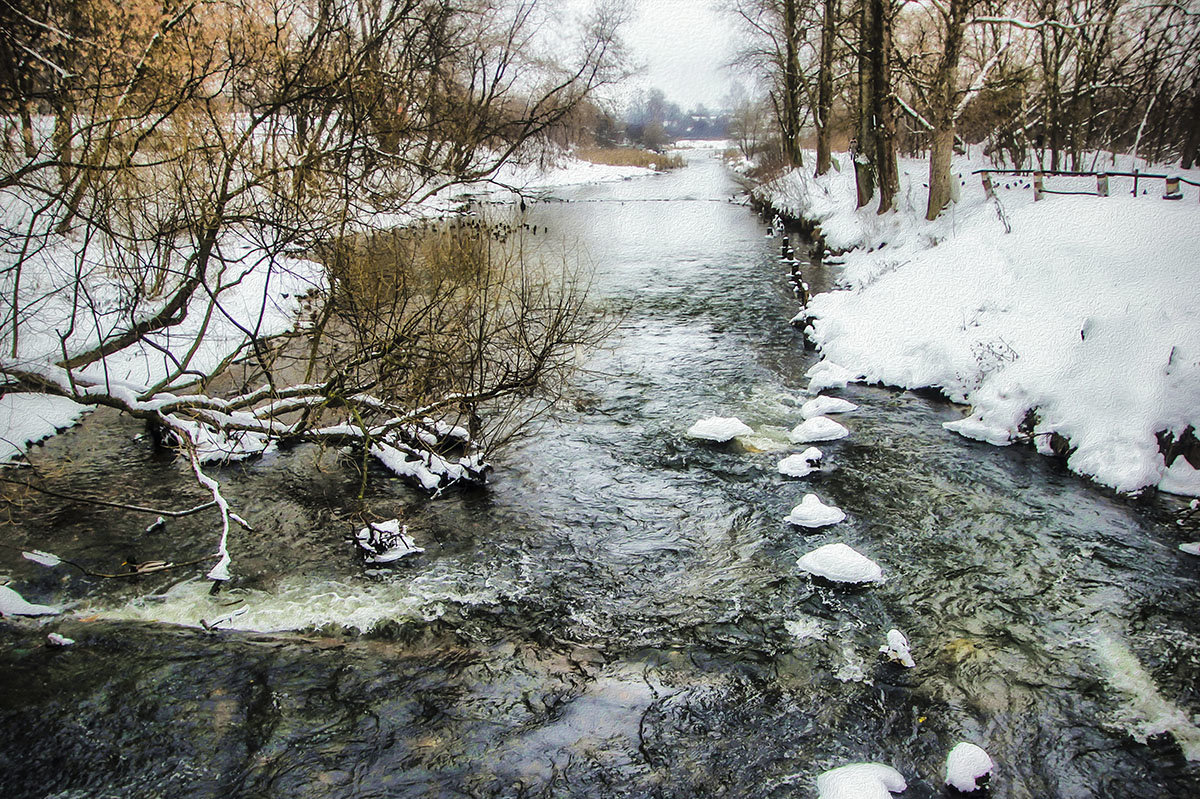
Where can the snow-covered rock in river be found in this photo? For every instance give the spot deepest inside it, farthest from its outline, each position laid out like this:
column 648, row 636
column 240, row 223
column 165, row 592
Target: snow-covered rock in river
column 800, row 464
column 827, row 374
column 860, row 781
column 812, row 512
column 822, row 405
column 841, row 564
column 965, row 765
column 719, row 428
column 897, row 649
column 818, row 428
column 386, row 542
column 13, row 604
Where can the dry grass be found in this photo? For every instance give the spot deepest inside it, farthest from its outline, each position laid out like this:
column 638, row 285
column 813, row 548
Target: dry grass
column 629, row 156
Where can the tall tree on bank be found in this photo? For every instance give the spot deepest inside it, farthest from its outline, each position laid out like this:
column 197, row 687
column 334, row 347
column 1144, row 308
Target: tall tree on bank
column 776, row 34
column 824, row 107
column 875, row 166
column 944, row 103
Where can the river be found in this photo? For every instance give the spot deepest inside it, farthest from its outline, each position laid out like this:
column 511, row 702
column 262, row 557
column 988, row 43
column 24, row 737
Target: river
column 619, row 614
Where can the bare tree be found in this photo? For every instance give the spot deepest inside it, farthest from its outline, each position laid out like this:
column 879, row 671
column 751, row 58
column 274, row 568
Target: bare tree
column 194, row 150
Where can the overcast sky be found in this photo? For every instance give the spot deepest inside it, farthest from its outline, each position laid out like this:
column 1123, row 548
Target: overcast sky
column 684, row 45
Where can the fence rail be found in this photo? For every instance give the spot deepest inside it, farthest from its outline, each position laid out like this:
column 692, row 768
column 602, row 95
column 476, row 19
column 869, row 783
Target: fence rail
column 1039, row 175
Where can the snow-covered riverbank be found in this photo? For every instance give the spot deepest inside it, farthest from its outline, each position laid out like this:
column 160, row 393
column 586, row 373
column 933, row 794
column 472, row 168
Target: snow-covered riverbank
column 1072, row 320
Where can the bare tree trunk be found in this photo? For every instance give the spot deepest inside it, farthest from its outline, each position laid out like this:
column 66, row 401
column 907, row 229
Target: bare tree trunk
column 791, row 85
column 825, row 88
column 943, row 109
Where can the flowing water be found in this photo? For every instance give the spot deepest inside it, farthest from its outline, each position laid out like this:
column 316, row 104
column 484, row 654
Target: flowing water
column 620, row 613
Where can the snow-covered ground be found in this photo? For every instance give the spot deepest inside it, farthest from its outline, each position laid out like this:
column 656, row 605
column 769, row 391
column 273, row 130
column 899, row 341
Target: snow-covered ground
column 1075, row 315
column 257, row 293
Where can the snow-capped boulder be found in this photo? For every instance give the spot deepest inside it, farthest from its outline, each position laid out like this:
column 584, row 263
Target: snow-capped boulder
column 800, row 464
column 841, row 564
column 386, row 542
column 823, row 405
column 812, row 512
column 897, row 650
column 719, row 428
column 13, row 604
column 966, row 765
column 860, row 781
column 818, row 428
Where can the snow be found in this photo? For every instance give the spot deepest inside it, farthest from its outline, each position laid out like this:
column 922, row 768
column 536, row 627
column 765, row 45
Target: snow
column 54, row 639
column 719, row 428
column 811, row 512
column 386, row 542
column 1181, row 478
column 965, row 765
column 824, row 405
column 826, row 374
column 800, row 464
column 13, row 604
column 1080, row 321
column 841, row 564
column 818, row 428
column 860, row 781
column 1192, row 548
column 29, row 418
column 897, row 649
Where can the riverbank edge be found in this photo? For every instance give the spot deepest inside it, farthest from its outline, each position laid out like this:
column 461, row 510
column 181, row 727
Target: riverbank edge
column 764, row 198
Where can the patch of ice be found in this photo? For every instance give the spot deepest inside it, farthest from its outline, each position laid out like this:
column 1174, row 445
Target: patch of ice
column 719, row 428
column 13, row 604
column 860, row 781
column 822, row 405
column 818, row 428
column 800, row 464
column 897, row 649
column 47, row 559
column 841, row 564
column 812, row 512
column 965, row 765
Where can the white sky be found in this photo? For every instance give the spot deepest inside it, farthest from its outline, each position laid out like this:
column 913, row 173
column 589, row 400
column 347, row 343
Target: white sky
column 685, row 45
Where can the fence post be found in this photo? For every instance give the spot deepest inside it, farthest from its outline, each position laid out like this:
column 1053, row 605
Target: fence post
column 1135, row 182
column 1038, row 188
column 988, row 191
column 1102, row 184
column 1173, row 192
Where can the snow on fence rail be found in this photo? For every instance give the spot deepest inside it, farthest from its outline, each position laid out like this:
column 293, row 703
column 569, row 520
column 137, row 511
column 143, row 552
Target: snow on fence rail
column 1172, row 182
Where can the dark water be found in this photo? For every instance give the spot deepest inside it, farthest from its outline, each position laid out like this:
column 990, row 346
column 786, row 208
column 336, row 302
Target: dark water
column 620, row 613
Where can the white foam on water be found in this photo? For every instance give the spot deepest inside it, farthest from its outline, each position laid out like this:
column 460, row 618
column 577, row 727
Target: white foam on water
column 1145, row 711
column 299, row 604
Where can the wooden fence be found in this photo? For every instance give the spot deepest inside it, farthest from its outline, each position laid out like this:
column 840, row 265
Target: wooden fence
column 1171, row 182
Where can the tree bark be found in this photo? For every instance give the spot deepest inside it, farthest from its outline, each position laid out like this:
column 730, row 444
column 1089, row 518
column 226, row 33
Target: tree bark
column 942, row 108
column 825, row 88
column 791, row 85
